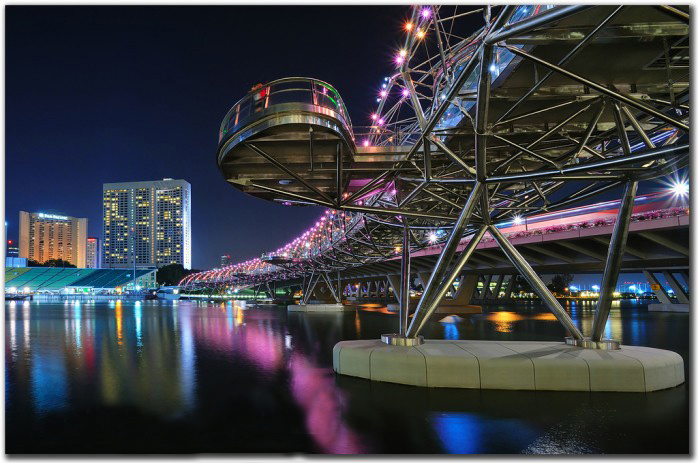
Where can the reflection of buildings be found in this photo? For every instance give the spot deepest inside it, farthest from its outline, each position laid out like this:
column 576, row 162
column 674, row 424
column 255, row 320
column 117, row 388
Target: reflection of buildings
column 153, row 217
column 143, row 356
column 128, row 358
column 49, row 236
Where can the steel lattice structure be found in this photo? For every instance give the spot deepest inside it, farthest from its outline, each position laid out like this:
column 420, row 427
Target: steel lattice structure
column 541, row 108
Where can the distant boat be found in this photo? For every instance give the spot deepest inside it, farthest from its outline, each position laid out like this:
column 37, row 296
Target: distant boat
column 169, row 293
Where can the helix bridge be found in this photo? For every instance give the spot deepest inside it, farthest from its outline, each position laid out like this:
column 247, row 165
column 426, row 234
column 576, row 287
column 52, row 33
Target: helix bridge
column 491, row 115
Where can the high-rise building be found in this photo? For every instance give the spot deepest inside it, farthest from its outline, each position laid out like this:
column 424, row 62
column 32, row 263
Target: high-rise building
column 49, row 236
column 94, row 253
column 148, row 220
column 225, row 260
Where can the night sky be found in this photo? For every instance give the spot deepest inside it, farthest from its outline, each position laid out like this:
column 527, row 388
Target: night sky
column 114, row 94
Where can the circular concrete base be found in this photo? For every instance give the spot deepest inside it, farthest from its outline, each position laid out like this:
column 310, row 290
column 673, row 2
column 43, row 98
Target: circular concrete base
column 320, row 308
column 517, row 365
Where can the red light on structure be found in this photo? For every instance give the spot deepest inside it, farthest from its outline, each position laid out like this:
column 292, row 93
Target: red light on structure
column 9, row 241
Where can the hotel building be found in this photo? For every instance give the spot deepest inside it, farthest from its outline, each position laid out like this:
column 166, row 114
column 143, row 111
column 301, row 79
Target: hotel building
column 152, row 218
column 49, row 236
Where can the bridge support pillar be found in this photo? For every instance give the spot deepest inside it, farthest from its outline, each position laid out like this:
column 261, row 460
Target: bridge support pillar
column 536, row 283
column 466, row 288
column 486, row 287
column 394, row 281
column 676, row 287
column 660, row 293
column 497, row 287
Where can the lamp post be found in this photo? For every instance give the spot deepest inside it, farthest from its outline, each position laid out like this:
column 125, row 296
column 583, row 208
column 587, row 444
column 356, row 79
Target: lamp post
column 518, row 219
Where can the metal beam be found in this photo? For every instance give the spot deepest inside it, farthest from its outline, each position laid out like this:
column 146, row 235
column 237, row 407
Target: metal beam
column 405, row 279
column 446, row 256
column 425, row 310
column 534, row 22
column 536, row 283
column 616, row 248
column 601, row 89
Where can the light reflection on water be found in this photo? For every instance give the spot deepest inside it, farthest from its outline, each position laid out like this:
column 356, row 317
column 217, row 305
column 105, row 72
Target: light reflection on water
column 183, row 364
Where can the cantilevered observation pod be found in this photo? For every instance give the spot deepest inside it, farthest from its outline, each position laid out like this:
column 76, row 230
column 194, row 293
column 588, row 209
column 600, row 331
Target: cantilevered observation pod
column 287, row 136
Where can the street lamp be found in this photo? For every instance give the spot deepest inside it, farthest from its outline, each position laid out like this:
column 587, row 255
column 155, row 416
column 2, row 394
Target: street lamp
column 432, row 238
column 518, row 220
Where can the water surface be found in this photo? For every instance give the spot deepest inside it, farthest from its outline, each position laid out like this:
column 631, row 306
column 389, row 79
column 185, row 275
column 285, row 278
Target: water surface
column 197, row 377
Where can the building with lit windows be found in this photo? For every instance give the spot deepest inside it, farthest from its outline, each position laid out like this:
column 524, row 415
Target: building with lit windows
column 94, row 253
column 225, row 260
column 12, row 249
column 147, row 221
column 50, row 236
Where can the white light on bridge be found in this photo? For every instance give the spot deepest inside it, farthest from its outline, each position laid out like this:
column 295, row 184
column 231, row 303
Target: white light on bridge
column 680, row 188
column 432, row 237
column 518, row 220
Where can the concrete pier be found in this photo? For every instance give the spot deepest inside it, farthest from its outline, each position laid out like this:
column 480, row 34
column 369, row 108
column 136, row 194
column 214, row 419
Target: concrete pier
column 668, row 308
column 516, row 365
column 320, row 308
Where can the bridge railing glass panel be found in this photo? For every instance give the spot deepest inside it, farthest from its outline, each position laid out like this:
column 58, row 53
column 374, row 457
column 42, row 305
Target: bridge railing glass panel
column 262, row 102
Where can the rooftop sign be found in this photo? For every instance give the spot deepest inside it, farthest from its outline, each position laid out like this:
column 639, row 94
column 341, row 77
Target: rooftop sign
column 52, row 216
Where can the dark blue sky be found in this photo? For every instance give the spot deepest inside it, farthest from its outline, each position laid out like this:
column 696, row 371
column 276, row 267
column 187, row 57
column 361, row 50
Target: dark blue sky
column 111, row 94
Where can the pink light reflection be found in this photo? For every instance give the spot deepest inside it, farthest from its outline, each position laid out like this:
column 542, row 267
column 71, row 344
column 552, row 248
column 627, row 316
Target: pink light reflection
column 314, row 389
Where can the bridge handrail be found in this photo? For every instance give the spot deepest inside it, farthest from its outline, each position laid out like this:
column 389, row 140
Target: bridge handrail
column 656, row 214
column 287, row 90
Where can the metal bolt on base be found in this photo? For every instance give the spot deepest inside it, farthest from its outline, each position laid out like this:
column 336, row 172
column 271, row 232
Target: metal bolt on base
column 394, row 339
column 587, row 343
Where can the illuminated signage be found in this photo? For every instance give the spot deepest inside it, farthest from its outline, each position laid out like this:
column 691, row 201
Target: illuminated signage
column 52, row 216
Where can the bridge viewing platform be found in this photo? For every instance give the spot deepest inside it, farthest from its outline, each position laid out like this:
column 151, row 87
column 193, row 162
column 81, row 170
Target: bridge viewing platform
column 499, row 153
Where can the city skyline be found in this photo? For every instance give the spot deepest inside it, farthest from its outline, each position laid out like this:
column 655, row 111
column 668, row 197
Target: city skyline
column 113, row 105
